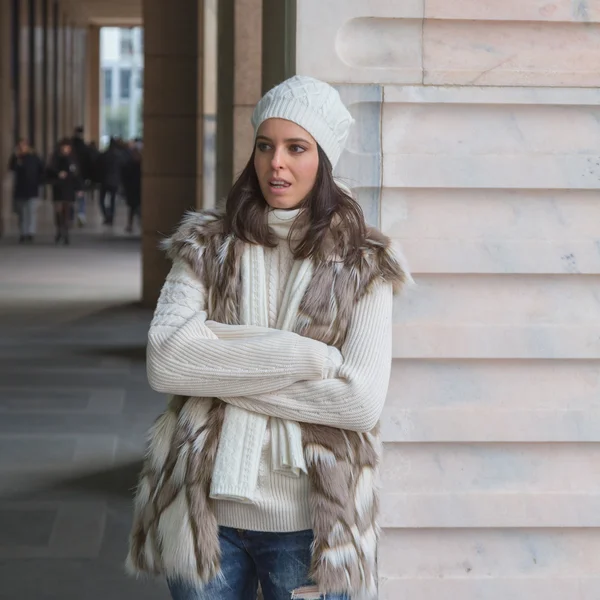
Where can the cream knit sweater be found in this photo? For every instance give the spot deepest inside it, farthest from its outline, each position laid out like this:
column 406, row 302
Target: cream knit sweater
column 276, row 373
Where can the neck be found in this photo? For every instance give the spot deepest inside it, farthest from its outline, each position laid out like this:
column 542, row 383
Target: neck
column 281, row 221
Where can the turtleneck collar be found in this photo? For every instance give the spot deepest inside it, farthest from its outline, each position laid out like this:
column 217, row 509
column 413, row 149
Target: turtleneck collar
column 281, row 221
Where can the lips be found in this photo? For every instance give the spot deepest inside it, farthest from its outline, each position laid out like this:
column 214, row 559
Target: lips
column 279, row 184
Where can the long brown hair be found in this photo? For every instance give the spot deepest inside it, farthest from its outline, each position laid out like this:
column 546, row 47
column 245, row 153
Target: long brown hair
column 336, row 224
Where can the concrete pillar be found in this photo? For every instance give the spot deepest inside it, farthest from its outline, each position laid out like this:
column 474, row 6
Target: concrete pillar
column 92, row 97
column 210, row 101
column 173, row 128
column 39, row 76
column 45, row 79
column 247, row 77
column 68, row 73
column 279, row 41
column 23, row 34
column 53, row 55
column 6, row 125
column 225, row 97
column 60, row 75
column 31, row 74
column 239, row 84
column 80, row 89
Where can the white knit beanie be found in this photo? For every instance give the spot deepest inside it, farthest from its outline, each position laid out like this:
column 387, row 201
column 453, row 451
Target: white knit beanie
column 312, row 104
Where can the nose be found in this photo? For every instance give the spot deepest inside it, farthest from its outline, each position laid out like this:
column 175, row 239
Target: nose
column 277, row 162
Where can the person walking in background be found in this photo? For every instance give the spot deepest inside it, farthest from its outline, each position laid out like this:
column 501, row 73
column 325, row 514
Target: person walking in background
column 273, row 336
column 95, row 170
column 28, row 171
column 83, row 157
column 67, row 187
column 132, row 185
column 109, row 166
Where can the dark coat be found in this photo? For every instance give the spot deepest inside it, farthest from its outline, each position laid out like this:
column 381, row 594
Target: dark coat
column 132, row 182
column 110, row 164
column 65, row 190
column 28, row 175
column 83, row 156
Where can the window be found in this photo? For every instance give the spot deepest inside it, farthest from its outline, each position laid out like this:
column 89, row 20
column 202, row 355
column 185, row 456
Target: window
column 140, row 79
column 126, row 42
column 125, row 84
column 107, row 85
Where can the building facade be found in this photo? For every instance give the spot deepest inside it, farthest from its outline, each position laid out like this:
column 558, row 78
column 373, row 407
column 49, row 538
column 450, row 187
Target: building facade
column 121, row 82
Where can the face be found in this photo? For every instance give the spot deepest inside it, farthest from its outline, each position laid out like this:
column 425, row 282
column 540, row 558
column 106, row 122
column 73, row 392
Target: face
column 65, row 149
column 286, row 161
column 23, row 146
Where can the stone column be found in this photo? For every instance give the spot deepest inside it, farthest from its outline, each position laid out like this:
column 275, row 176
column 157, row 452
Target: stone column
column 92, row 98
column 173, row 131
column 53, row 81
column 45, row 80
column 225, row 96
column 79, row 89
column 239, row 83
column 23, row 68
column 279, row 41
column 60, row 75
column 39, row 76
column 247, row 77
column 6, row 126
column 210, row 102
column 68, row 66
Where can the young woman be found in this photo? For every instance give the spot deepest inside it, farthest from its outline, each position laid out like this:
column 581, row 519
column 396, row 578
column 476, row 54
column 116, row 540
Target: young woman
column 67, row 186
column 273, row 336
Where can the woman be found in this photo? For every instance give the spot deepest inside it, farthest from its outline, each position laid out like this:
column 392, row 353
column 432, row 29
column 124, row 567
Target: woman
column 66, row 188
column 273, row 334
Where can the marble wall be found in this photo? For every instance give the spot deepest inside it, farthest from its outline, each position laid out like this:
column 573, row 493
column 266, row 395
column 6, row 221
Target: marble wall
column 478, row 150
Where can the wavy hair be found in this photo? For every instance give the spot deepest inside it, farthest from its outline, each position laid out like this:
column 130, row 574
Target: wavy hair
column 334, row 221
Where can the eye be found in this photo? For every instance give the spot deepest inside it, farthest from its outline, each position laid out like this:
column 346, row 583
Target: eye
column 263, row 146
column 296, row 149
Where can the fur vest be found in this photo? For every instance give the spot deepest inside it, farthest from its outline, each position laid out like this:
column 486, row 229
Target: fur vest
column 175, row 531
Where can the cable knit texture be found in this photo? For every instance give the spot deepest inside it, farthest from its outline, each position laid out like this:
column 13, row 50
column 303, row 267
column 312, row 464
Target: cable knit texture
column 314, row 105
column 280, row 374
column 243, row 473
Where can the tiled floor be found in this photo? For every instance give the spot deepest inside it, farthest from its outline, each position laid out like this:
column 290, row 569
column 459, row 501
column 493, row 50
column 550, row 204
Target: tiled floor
column 74, row 408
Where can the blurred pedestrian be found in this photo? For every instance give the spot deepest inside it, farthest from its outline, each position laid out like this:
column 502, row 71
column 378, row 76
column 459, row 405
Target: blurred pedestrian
column 28, row 172
column 132, row 185
column 83, row 156
column 67, row 187
column 110, row 164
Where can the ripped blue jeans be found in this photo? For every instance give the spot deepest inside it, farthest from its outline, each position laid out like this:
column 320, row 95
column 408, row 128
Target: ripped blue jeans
column 278, row 561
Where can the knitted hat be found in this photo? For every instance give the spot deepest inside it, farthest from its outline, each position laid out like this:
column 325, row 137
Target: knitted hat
column 312, row 104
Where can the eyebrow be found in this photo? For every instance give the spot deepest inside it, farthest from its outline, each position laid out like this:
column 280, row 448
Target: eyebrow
column 287, row 141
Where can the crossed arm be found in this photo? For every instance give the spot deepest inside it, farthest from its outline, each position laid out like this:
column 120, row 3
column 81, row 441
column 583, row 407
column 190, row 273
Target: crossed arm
column 276, row 373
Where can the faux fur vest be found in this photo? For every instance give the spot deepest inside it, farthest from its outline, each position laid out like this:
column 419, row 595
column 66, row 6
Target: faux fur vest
column 175, row 531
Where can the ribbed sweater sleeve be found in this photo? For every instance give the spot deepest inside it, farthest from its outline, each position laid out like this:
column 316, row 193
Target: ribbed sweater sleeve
column 355, row 398
column 185, row 357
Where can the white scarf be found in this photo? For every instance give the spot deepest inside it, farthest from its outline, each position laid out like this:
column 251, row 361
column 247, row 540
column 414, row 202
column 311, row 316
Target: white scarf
column 235, row 474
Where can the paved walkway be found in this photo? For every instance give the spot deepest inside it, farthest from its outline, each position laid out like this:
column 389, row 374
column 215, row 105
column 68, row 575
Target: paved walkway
column 74, row 408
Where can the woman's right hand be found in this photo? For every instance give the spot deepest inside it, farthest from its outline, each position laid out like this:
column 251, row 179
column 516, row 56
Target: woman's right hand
column 333, row 362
